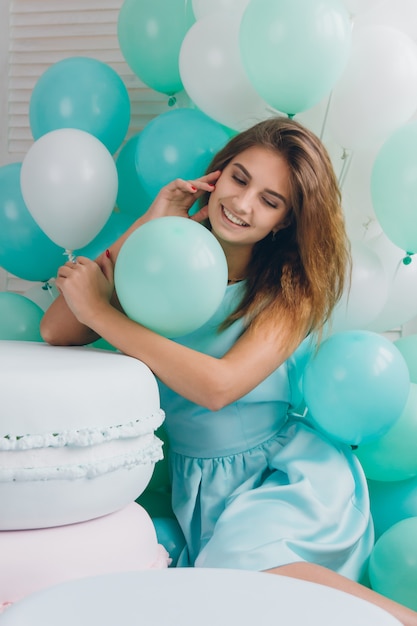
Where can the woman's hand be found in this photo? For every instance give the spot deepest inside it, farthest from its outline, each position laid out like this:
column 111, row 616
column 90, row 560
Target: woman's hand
column 86, row 286
column 177, row 198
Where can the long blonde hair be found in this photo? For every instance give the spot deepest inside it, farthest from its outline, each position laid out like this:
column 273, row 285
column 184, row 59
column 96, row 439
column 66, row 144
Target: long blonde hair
column 298, row 274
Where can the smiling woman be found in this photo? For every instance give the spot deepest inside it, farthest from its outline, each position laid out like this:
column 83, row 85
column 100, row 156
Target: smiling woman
column 252, row 194
column 250, row 479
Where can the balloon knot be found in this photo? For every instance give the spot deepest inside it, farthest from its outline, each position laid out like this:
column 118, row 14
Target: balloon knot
column 71, row 256
column 407, row 259
column 172, row 101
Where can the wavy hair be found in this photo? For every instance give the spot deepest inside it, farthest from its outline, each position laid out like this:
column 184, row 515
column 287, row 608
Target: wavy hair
column 299, row 273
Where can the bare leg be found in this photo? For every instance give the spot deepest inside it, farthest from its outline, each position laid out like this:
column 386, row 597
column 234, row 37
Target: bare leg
column 323, row 576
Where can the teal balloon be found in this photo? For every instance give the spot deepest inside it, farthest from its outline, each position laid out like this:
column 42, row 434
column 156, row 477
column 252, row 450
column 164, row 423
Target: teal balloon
column 394, row 455
column 20, row 318
column 394, row 187
column 297, row 364
column 132, row 199
column 156, row 503
column 150, row 35
column 408, row 348
column 169, row 535
column 25, row 250
column 160, row 479
column 171, row 275
column 393, row 563
column 82, row 93
column 116, row 225
column 177, row 144
column 294, row 51
column 392, row 502
column 356, row 386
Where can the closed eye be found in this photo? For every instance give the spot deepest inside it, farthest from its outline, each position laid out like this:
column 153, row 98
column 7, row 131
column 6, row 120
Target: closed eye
column 270, row 203
column 239, row 180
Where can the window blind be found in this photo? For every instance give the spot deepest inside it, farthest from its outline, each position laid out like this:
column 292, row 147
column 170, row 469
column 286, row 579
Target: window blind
column 43, row 32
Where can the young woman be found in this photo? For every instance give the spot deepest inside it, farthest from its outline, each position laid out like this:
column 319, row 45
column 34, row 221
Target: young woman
column 253, row 486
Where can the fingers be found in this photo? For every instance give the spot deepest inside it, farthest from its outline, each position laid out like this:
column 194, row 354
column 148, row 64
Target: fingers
column 83, row 260
column 188, row 186
column 211, row 177
column 70, row 266
column 205, row 183
column 201, row 215
column 107, row 268
column 65, row 270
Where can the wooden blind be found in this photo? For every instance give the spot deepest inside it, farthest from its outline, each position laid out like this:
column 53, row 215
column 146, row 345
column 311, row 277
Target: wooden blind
column 42, row 32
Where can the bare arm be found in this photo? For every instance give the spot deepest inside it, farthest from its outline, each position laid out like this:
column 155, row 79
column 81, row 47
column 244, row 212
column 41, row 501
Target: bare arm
column 208, row 381
column 59, row 326
column 323, row 576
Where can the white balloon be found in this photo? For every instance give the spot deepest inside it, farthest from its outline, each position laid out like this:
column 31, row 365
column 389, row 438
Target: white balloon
column 401, row 303
column 69, row 183
column 213, row 75
column 361, row 221
column 401, row 14
column 202, row 8
column 377, row 92
column 315, row 118
column 357, row 183
column 359, row 227
column 360, row 6
column 368, row 292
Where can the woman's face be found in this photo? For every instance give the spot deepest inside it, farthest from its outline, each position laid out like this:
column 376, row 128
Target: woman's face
column 251, row 197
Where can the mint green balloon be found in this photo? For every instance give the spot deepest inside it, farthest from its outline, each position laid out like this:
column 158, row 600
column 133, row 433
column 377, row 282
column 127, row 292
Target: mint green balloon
column 150, row 34
column 408, row 348
column 392, row 502
column 394, row 455
column 394, row 187
column 171, row 275
column 294, row 51
column 20, row 318
column 356, row 386
column 393, row 563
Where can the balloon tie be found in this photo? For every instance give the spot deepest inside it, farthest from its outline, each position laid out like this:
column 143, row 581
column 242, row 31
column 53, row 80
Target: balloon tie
column 47, row 287
column 71, row 256
column 404, row 261
column 347, row 159
column 172, row 101
column 407, row 259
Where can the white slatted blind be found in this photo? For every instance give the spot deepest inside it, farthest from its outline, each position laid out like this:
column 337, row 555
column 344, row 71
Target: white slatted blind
column 42, row 32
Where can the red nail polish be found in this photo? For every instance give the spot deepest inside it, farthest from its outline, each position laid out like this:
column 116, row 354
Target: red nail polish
column 108, row 254
column 193, row 188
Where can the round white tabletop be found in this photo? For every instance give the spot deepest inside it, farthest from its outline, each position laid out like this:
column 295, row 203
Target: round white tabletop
column 192, row 597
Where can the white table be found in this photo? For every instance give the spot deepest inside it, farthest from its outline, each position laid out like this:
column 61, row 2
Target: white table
column 192, row 597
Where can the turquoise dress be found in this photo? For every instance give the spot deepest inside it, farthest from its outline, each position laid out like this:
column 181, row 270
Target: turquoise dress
column 255, row 486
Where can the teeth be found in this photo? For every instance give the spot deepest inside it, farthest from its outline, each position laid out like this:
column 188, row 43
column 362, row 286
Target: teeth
column 232, row 218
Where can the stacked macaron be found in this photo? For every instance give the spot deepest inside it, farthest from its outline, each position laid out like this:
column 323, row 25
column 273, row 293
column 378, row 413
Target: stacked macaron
column 77, row 443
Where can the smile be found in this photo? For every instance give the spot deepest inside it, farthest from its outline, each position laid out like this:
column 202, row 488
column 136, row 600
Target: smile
column 232, row 218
